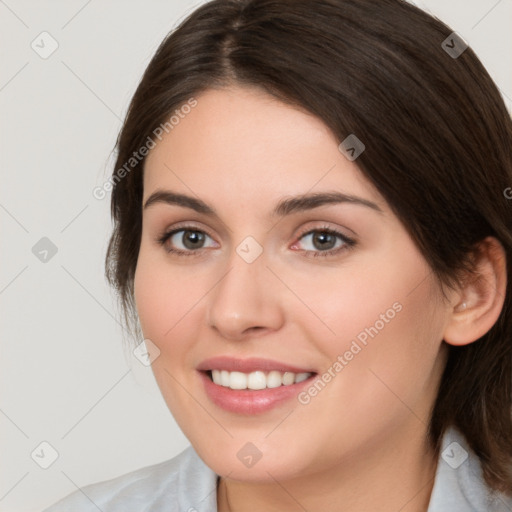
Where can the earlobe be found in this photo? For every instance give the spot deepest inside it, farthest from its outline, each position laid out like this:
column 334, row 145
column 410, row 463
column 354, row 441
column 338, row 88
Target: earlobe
column 480, row 300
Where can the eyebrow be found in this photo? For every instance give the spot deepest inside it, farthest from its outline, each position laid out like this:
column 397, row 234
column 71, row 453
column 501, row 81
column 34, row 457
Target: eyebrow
column 284, row 207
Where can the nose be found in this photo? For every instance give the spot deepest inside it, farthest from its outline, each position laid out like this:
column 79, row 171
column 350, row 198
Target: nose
column 246, row 300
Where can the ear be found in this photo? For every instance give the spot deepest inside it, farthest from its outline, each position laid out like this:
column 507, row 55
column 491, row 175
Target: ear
column 480, row 300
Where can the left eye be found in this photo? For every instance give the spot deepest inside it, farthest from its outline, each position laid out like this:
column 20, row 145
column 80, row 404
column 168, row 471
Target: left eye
column 325, row 240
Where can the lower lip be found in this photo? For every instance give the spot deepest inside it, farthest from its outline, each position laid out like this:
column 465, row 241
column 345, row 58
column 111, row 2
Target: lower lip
column 247, row 401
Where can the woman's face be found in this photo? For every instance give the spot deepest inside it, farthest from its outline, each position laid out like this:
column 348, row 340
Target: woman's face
column 360, row 311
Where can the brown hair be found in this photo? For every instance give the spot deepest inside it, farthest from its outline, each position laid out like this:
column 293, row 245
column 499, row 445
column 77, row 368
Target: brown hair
column 438, row 143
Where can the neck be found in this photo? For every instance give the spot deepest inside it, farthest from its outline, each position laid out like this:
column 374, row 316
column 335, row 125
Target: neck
column 396, row 476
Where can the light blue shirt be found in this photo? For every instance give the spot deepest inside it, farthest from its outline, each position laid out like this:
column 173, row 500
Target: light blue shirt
column 186, row 484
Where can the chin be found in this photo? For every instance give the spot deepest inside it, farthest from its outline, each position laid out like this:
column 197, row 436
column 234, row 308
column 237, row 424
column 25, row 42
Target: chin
column 243, row 463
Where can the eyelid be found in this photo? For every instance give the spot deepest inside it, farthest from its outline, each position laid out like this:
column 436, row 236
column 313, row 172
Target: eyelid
column 186, row 226
column 325, row 226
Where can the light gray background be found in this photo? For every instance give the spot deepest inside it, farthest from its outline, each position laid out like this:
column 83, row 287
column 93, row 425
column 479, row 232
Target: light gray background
column 65, row 377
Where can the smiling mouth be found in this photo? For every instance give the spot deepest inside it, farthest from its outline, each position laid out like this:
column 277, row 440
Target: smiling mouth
column 256, row 380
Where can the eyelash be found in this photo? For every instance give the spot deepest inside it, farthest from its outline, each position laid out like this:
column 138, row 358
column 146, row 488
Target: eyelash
column 349, row 243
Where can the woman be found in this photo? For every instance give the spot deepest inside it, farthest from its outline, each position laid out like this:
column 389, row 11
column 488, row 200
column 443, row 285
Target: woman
column 312, row 227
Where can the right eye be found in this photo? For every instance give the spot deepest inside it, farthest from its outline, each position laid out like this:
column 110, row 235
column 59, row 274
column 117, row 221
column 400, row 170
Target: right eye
column 188, row 239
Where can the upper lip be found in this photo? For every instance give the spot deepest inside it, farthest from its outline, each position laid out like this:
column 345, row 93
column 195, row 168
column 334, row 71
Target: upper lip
column 252, row 364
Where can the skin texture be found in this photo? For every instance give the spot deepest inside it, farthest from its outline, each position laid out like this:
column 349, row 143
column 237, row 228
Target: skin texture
column 360, row 444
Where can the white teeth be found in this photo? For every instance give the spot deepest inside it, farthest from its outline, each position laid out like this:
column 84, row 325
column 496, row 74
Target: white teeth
column 237, row 380
column 224, row 378
column 274, row 379
column 301, row 376
column 288, row 378
column 257, row 380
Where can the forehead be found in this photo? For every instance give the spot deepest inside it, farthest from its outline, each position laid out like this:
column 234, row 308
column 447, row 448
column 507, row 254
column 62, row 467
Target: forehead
column 250, row 145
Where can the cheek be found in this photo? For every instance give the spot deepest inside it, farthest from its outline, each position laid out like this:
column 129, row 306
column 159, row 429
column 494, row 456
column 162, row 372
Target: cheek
column 167, row 305
column 382, row 359
column 152, row 310
column 164, row 297
column 358, row 300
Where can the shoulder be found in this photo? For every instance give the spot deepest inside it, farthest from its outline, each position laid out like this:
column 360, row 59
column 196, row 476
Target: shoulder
column 459, row 484
column 183, row 483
